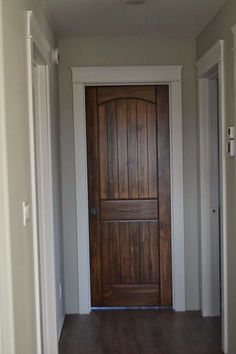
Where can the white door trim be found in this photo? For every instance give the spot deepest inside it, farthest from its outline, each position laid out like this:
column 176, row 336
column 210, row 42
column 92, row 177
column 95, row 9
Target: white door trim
column 7, row 335
column 40, row 130
column 171, row 75
column 212, row 60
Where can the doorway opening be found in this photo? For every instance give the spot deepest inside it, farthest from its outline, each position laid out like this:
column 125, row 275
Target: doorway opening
column 39, row 99
column 44, row 207
column 213, row 213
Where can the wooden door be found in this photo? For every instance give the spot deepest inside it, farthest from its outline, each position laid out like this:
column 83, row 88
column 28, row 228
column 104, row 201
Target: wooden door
column 129, row 195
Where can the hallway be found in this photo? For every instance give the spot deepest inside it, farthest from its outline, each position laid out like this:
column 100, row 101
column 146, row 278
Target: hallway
column 117, row 177
column 142, row 332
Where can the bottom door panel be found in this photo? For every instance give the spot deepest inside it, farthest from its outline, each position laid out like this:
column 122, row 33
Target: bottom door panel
column 130, row 263
column 131, row 295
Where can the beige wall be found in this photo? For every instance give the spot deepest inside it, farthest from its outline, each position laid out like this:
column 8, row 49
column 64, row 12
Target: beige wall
column 220, row 28
column 6, row 315
column 129, row 51
column 18, row 162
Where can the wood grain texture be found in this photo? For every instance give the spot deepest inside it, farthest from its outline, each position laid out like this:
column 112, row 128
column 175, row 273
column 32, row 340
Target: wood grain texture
column 94, row 195
column 140, row 332
column 131, row 295
column 103, row 154
column 109, row 93
column 130, row 253
column 115, row 253
column 125, row 256
column 134, row 252
column 129, row 209
column 154, row 252
column 128, row 163
column 143, row 187
column 152, row 151
column 132, row 138
column 112, row 150
column 128, row 149
column 122, row 149
column 164, row 194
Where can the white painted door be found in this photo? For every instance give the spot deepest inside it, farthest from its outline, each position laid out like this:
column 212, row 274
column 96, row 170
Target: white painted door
column 44, row 187
column 215, row 195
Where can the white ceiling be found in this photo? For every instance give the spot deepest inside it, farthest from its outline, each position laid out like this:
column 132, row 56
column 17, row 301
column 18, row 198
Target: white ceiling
column 178, row 18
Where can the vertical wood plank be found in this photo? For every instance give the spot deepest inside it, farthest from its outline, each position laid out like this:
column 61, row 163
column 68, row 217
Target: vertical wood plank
column 144, row 253
column 132, row 148
column 154, row 252
column 125, row 253
column 106, row 253
column 112, row 150
column 142, row 149
column 164, row 194
column 94, row 197
column 122, row 149
column 115, row 253
column 103, row 158
column 134, row 253
column 152, row 150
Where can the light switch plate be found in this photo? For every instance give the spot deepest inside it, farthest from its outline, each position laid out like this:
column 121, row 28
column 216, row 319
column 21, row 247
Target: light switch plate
column 231, row 134
column 230, row 147
column 26, row 213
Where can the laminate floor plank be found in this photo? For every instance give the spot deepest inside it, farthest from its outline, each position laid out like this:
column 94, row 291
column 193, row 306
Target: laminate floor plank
column 140, row 332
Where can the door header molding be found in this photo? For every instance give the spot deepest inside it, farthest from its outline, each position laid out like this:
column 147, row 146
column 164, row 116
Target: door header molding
column 87, row 76
column 92, row 75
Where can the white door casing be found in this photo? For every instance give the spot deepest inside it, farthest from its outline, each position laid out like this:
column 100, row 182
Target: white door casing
column 7, row 332
column 39, row 56
column 92, row 76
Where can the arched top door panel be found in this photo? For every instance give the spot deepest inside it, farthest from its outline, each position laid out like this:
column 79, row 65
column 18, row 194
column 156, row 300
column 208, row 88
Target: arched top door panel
column 109, row 93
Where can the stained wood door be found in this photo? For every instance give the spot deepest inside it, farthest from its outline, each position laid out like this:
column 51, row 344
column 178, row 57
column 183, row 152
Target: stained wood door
column 129, row 195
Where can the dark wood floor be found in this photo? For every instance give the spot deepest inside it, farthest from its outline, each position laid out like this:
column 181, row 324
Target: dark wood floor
column 140, row 332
